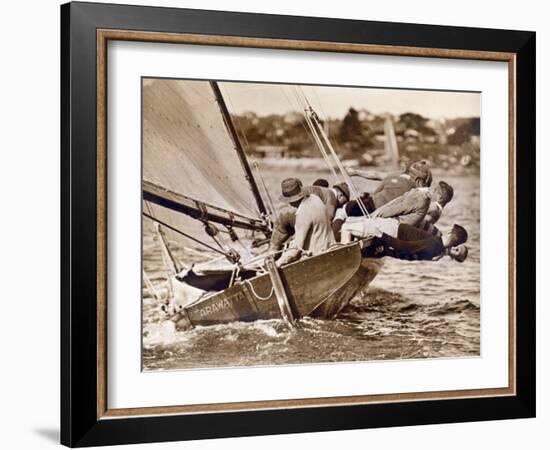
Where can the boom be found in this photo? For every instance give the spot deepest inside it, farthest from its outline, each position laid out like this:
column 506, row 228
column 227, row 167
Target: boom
column 197, row 209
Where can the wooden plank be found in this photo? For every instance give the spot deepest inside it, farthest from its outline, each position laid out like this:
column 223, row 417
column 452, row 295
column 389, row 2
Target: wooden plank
column 280, row 292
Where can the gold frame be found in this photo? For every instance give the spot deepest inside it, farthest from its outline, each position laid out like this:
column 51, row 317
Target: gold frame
column 103, row 36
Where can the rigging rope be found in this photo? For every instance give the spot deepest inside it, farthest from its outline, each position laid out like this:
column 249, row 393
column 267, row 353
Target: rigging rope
column 212, row 231
column 208, row 262
column 259, row 297
column 320, row 145
column 295, row 103
column 214, row 249
column 315, row 125
column 262, row 182
column 167, row 264
column 313, row 133
column 151, row 287
column 345, row 175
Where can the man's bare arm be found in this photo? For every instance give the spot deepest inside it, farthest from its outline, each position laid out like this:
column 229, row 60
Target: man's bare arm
column 433, row 214
column 278, row 239
column 294, row 253
column 367, row 174
column 290, row 255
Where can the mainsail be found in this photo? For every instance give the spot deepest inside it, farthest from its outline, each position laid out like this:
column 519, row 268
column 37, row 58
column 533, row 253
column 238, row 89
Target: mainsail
column 195, row 175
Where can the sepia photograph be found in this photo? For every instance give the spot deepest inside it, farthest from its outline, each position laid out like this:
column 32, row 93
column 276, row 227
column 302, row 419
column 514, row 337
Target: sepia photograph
column 302, row 224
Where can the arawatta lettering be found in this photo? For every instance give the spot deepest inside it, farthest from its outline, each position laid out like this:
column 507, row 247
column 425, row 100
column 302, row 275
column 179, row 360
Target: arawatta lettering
column 220, row 305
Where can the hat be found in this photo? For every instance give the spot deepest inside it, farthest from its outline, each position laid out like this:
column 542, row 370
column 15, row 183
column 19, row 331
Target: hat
column 462, row 253
column 321, row 182
column 419, row 169
column 291, row 189
column 344, row 188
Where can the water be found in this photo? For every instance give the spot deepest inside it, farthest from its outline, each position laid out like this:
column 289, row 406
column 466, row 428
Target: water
column 411, row 310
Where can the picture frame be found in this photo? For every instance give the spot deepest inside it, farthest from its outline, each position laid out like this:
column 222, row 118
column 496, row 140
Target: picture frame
column 86, row 28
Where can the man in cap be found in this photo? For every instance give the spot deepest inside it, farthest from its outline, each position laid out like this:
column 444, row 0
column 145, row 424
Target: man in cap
column 395, row 189
column 321, row 182
column 417, row 174
column 313, row 232
column 333, row 198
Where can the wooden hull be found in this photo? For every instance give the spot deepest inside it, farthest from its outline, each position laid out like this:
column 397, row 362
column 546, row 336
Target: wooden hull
column 338, row 300
column 319, row 286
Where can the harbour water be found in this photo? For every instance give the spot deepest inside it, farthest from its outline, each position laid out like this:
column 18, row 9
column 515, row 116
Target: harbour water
column 411, row 310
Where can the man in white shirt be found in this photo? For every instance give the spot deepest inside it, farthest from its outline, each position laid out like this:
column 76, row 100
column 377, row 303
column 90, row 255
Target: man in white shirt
column 404, row 241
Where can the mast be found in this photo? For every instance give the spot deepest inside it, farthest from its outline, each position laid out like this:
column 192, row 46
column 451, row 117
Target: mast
column 238, row 147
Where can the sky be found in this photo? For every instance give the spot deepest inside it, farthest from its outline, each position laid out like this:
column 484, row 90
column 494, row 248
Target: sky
column 334, row 102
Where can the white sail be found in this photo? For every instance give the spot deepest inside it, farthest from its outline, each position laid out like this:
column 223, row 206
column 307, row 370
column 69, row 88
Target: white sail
column 390, row 144
column 188, row 150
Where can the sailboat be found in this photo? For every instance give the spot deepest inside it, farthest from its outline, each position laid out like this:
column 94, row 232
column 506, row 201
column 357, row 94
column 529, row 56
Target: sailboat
column 200, row 191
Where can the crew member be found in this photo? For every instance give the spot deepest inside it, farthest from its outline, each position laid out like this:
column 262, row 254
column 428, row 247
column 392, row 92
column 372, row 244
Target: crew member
column 313, row 232
column 284, row 223
column 406, row 241
column 333, row 198
column 442, row 194
column 392, row 187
